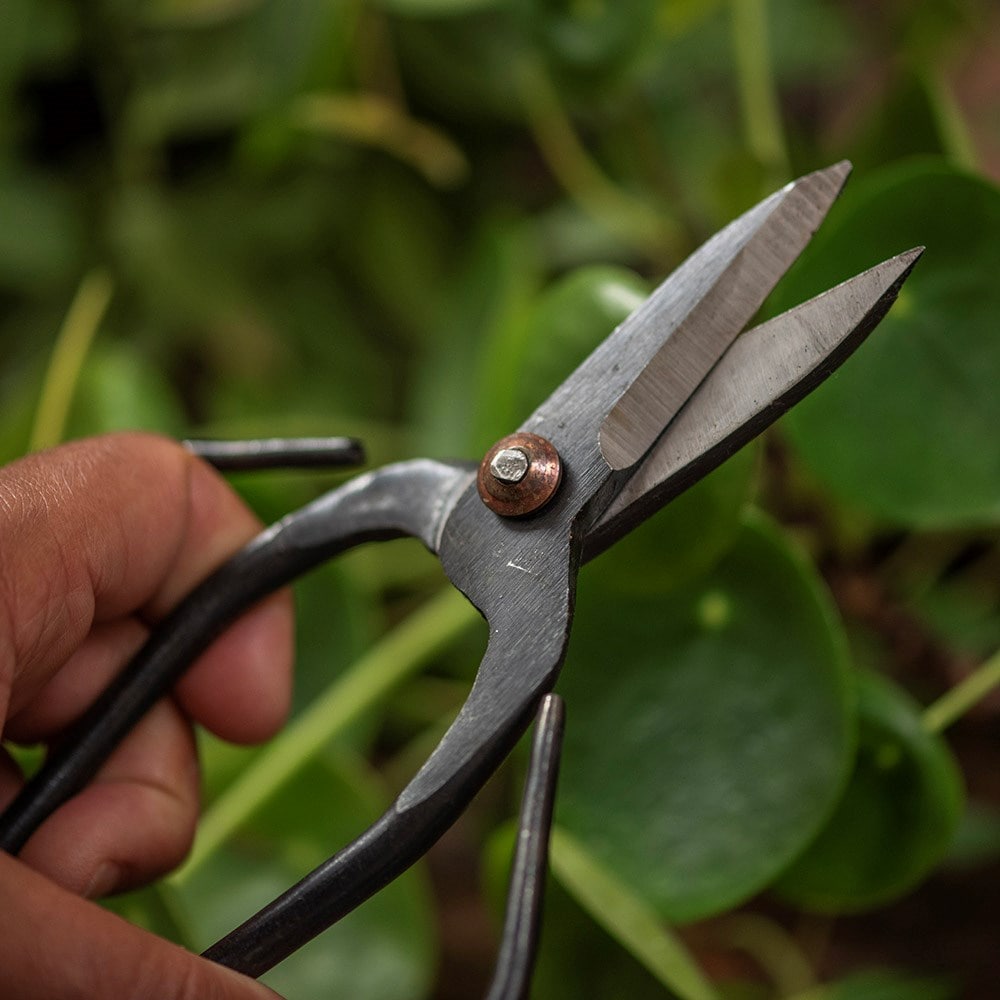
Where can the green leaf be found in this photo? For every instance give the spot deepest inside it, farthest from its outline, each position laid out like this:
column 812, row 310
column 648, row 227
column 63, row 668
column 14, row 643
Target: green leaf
column 685, row 539
column 457, row 409
column 382, row 951
column 574, row 315
column 977, row 837
column 435, row 8
column 883, row 985
column 401, row 248
column 217, row 72
column 592, row 42
column 709, row 733
column 896, row 818
column 628, row 918
column 41, row 235
column 907, row 428
column 20, row 396
column 963, row 612
column 120, row 388
column 530, row 356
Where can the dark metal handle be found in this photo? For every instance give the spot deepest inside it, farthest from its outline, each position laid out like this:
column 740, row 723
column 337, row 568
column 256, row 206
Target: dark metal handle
column 279, row 453
column 488, row 726
column 526, row 890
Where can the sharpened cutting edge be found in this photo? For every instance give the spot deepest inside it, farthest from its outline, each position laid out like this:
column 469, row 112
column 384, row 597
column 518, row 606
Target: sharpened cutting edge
column 654, row 398
column 766, row 372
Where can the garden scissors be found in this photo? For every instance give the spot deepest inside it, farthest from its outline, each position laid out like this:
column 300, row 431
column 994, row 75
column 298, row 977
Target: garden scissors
column 662, row 401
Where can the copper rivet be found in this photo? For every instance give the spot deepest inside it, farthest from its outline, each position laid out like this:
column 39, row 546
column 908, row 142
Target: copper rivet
column 519, row 474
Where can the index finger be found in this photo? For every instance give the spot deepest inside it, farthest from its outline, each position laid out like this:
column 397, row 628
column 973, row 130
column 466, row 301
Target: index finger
column 125, row 525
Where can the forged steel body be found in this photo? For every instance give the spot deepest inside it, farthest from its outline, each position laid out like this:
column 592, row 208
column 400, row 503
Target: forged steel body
column 279, row 453
column 519, row 572
column 526, row 889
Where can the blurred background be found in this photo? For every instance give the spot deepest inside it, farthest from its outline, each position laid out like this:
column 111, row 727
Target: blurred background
column 408, row 220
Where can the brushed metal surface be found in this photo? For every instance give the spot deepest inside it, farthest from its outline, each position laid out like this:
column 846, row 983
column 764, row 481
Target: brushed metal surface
column 696, row 344
column 766, row 372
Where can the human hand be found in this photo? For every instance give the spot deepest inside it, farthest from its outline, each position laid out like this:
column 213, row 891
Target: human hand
column 100, row 539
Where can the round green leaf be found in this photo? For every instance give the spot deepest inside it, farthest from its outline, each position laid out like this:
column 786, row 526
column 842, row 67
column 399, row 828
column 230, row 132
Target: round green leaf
column 686, row 538
column 708, row 733
column 896, row 818
column 907, row 429
column 531, row 356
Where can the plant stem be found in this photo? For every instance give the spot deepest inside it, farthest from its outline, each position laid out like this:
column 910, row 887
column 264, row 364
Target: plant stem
column 950, row 122
column 625, row 216
column 395, row 657
column 772, row 949
column 765, row 136
column 627, row 918
column 71, row 348
column 953, row 704
column 373, row 120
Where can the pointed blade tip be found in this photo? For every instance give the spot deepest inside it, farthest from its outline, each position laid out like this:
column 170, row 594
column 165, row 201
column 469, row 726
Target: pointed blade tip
column 900, row 266
column 804, row 203
column 836, row 175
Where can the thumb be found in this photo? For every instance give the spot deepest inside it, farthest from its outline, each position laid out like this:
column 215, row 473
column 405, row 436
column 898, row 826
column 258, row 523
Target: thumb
column 55, row 944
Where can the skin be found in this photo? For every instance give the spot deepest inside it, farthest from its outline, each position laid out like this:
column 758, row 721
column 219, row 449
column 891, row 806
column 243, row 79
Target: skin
column 100, row 539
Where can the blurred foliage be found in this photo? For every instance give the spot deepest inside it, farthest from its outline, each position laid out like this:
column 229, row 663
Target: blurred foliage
column 407, row 220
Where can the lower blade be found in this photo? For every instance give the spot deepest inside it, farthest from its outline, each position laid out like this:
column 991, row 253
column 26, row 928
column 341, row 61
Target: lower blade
column 766, row 372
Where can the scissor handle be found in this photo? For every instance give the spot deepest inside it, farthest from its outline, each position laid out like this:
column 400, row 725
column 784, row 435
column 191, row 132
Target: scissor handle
column 411, row 498
column 397, row 500
column 475, row 745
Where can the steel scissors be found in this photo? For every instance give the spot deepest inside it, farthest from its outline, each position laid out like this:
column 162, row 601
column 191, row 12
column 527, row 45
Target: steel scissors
column 663, row 400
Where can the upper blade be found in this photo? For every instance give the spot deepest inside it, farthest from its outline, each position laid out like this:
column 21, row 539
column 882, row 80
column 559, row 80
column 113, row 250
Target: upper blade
column 766, row 371
column 692, row 317
column 738, row 289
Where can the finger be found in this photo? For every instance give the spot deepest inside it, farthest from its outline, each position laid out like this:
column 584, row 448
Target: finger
column 103, row 528
column 251, row 661
column 54, row 944
column 252, row 664
column 135, row 821
column 107, row 648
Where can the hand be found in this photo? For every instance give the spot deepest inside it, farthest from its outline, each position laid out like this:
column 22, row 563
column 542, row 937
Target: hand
column 99, row 539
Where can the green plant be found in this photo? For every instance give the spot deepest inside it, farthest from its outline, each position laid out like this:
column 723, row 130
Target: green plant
column 330, row 216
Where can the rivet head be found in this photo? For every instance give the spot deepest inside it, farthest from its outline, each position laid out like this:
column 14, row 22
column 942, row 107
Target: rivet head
column 509, row 465
column 519, row 474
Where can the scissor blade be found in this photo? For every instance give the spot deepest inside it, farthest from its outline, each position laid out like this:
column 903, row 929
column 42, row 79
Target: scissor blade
column 693, row 316
column 737, row 290
column 766, row 371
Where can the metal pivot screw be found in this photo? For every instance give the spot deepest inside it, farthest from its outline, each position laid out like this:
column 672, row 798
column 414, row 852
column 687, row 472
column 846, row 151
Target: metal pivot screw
column 509, row 465
column 519, row 474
